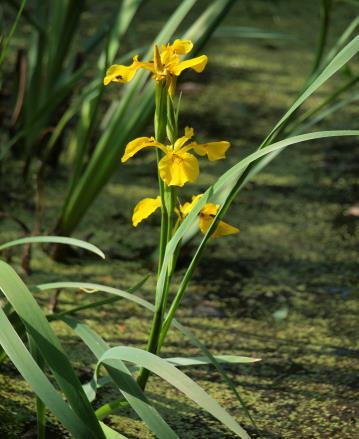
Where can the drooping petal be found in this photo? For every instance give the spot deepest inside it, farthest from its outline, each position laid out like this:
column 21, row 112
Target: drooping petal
column 213, row 150
column 177, row 168
column 181, row 47
column 136, row 145
column 144, row 209
column 197, row 64
column 119, row 73
column 222, row 228
column 123, row 74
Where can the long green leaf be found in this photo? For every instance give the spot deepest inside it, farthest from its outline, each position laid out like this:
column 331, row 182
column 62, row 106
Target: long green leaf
column 5, row 44
column 49, row 345
column 124, row 380
column 26, row 365
column 42, row 387
column 98, row 303
column 86, row 286
column 55, row 240
column 214, row 190
column 343, row 39
column 175, row 377
column 200, row 361
column 95, row 383
column 350, row 50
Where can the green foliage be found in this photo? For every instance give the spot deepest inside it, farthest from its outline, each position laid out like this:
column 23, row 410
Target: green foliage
column 45, row 342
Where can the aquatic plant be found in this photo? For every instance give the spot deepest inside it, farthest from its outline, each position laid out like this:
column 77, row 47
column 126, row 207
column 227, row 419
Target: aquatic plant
column 26, row 334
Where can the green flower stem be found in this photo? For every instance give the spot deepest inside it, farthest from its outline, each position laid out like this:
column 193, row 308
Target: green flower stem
column 166, row 221
column 160, row 134
column 170, row 205
column 109, row 408
column 170, row 197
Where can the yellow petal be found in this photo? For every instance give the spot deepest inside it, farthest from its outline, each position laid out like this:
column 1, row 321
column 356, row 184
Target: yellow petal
column 181, row 47
column 213, row 150
column 197, row 64
column 187, row 207
column 136, row 145
column 120, row 73
column 177, row 168
column 222, row 228
column 210, row 209
column 144, row 209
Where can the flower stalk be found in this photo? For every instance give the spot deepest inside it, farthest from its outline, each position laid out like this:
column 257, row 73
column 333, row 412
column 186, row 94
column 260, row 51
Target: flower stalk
column 160, row 124
column 177, row 164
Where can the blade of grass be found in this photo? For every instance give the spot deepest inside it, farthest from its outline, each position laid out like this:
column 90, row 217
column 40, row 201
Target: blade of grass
column 124, row 380
column 56, row 240
column 49, row 345
column 40, row 406
column 212, row 191
column 176, row 378
column 97, row 303
column 34, row 376
column 325, row 11
column 27, row 16
column 342, row 40
column 348, row 52
column 7, row 40
column 145, row 304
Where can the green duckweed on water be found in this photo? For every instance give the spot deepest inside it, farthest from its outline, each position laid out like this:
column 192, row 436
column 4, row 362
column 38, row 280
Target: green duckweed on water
column 284, row 290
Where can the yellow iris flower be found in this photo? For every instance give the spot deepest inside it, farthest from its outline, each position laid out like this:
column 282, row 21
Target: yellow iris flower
column 166, row 65
column 178, row 166
column 148, row 206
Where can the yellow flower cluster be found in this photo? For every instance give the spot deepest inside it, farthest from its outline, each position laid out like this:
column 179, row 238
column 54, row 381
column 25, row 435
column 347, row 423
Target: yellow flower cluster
column 178, row 165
